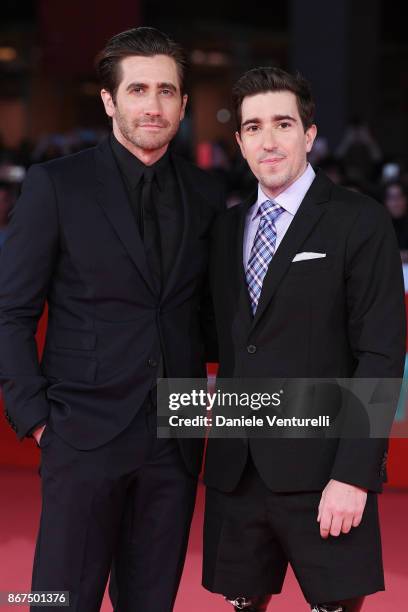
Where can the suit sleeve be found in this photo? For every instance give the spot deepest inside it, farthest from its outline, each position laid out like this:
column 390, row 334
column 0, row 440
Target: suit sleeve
column 376, row 331
column 26, row 265
column 208, row 326
column 207, row 313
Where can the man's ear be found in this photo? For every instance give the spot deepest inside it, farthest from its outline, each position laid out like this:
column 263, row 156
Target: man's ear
column 183, row 106
column 311, row 133
column 108, row 102
column 240, row 144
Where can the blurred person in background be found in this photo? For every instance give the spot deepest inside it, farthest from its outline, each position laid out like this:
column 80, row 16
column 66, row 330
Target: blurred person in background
column 333, row 168
column 320, row 152
column 115, row 239
column 359, row 151
column 395, row 198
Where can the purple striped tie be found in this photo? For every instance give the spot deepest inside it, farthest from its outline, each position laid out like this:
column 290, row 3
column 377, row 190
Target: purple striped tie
column 262, row 250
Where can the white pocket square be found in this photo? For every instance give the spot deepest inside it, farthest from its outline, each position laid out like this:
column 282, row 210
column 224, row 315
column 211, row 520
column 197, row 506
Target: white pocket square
column 305, row 255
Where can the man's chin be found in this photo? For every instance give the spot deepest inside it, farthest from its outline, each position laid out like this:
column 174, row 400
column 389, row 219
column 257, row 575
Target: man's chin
column 273, row 184
column 151, row 144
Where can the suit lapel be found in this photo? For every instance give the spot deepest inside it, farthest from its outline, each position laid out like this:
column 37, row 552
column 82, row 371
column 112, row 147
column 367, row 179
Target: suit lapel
column 186, row 202
column 304, row 221
column 244, row 309
column 112, row 197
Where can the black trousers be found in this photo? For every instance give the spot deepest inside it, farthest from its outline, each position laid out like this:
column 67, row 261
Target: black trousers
column 131, row 500
column 252, row 533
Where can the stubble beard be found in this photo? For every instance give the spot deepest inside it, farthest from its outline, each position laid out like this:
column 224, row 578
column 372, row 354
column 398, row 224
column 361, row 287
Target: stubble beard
column 134, row 134
column 277, row 182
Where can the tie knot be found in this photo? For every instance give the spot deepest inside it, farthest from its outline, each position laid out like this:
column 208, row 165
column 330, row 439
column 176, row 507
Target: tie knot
column 148, row 174
column 270, row 210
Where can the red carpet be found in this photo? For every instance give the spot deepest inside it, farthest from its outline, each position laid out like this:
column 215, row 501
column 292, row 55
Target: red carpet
column 19, row 512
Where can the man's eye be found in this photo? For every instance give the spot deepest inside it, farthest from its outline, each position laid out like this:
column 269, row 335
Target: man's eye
column 251, row 128
column 167, row 92
column 137, row 90
column 284, row 124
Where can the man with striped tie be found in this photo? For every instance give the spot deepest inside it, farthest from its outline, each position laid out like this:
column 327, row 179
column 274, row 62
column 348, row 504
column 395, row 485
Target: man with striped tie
column 307, row 282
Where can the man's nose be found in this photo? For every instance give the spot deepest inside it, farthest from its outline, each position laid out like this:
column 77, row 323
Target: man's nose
column 152, row 105
column 269, row 140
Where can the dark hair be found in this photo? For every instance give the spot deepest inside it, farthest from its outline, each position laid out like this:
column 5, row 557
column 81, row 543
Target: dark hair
column 262, row 80
column 143, row 41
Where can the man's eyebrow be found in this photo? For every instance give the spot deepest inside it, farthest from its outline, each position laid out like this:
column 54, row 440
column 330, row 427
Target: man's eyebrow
column 282, row 117
column 248, row 121
column 140, row 85
column 167, row 85
column 134, row 84
column 274, row 118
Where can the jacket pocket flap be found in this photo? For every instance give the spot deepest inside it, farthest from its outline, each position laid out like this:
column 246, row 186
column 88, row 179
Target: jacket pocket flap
column 69, row 367
column 74, row 339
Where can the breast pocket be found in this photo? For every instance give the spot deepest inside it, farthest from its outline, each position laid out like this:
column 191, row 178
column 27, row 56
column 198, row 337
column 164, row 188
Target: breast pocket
column 309, row 266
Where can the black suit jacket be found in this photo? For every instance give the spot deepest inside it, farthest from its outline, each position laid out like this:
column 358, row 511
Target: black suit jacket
column 73, row 241
column 340, row 316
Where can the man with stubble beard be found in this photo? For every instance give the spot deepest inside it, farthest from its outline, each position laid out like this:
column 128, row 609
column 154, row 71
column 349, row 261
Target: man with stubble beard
column 115, row 240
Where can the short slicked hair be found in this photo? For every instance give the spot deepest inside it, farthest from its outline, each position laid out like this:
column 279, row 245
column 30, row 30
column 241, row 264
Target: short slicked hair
column 263, row 80
column 143, row 41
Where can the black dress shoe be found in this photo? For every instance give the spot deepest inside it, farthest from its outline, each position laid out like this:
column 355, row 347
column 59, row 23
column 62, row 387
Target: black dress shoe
column 347, row 605
column 328, row 608
column 250, row 604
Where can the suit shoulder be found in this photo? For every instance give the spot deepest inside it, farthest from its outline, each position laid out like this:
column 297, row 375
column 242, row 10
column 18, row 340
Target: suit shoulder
column 188, row 165
column 75, row 162
column 205, row 181
column 356, row 204
column 228, row 218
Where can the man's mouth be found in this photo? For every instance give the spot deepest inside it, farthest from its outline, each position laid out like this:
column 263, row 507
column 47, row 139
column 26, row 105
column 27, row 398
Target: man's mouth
column 271, row 161
column 151, row 126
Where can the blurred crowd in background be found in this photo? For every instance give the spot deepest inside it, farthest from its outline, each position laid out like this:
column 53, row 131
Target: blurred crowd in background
column 357, row 163
column 355, row 55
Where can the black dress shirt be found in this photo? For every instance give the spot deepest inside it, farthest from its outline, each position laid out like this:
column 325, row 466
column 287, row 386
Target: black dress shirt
column 166, row 201
column 166, row 198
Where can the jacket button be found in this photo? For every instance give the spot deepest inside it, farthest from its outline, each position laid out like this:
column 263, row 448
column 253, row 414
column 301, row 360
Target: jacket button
column 251, row 348
column 152, row 363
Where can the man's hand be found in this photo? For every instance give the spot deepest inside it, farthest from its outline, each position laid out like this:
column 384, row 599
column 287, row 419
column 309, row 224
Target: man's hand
column 37, row 433
column 341, row 508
